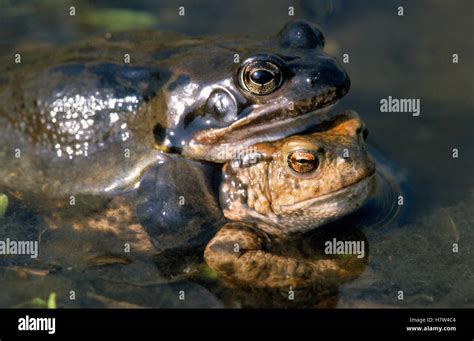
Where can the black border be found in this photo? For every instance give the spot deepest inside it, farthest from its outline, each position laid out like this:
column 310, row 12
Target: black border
column 124, row 323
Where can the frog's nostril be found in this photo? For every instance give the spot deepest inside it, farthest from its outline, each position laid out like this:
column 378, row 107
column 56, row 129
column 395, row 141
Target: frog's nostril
column 313, row 79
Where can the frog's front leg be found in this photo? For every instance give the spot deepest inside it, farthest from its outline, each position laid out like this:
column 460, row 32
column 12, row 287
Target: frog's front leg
column 237, row 252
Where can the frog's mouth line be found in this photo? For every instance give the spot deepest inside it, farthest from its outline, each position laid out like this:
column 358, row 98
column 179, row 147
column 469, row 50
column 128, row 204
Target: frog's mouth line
column 333, row 198
column 283, row 128
column 264, row 132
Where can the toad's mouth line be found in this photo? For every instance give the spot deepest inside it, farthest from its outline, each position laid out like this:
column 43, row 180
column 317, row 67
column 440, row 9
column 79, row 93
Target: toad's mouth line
column 357, row 187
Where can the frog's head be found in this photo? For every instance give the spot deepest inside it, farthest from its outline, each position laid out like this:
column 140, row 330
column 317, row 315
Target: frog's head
column 303, row 181
column 227, row 94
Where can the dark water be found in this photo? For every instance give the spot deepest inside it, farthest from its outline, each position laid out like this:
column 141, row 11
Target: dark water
column 407, row 56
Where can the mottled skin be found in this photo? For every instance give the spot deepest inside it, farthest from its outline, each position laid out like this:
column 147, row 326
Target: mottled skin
column 82, row 121
column 271, row 203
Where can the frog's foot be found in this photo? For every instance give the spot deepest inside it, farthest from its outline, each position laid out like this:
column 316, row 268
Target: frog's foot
column 237, row 254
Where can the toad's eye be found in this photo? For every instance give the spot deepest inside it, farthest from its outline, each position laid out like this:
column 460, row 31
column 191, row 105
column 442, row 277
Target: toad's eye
column 303, row 161
column 260, row 77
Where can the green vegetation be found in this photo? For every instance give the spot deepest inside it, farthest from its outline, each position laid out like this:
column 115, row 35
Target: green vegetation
column 3, row 204
column 38, row 302
column 114, row 20
column 51, row 304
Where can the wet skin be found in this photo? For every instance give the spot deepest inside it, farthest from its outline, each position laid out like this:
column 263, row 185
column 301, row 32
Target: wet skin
column 86, row 123
column 268, row 201
column 298, row 184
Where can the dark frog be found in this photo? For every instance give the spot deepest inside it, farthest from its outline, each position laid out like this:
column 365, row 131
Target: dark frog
column 90, row 118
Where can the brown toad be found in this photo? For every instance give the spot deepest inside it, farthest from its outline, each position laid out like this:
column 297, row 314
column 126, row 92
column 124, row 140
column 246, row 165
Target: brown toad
column 297, row 184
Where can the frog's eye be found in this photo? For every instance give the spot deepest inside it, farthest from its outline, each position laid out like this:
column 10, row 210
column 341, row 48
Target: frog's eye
column 303, row 161
column 261, row 77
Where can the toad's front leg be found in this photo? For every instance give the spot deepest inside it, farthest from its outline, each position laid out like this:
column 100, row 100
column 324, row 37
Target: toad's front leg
column 237, row 253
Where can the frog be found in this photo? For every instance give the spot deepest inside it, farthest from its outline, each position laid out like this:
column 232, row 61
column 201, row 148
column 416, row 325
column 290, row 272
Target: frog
column 281, row 192
column 88, row 120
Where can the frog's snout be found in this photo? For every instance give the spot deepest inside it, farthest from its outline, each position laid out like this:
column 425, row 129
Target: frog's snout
column 301, row 34
column 326, row 85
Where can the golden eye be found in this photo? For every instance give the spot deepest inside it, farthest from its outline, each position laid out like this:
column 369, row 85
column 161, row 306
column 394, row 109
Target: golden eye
column 303, row 161
column 260, row 77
